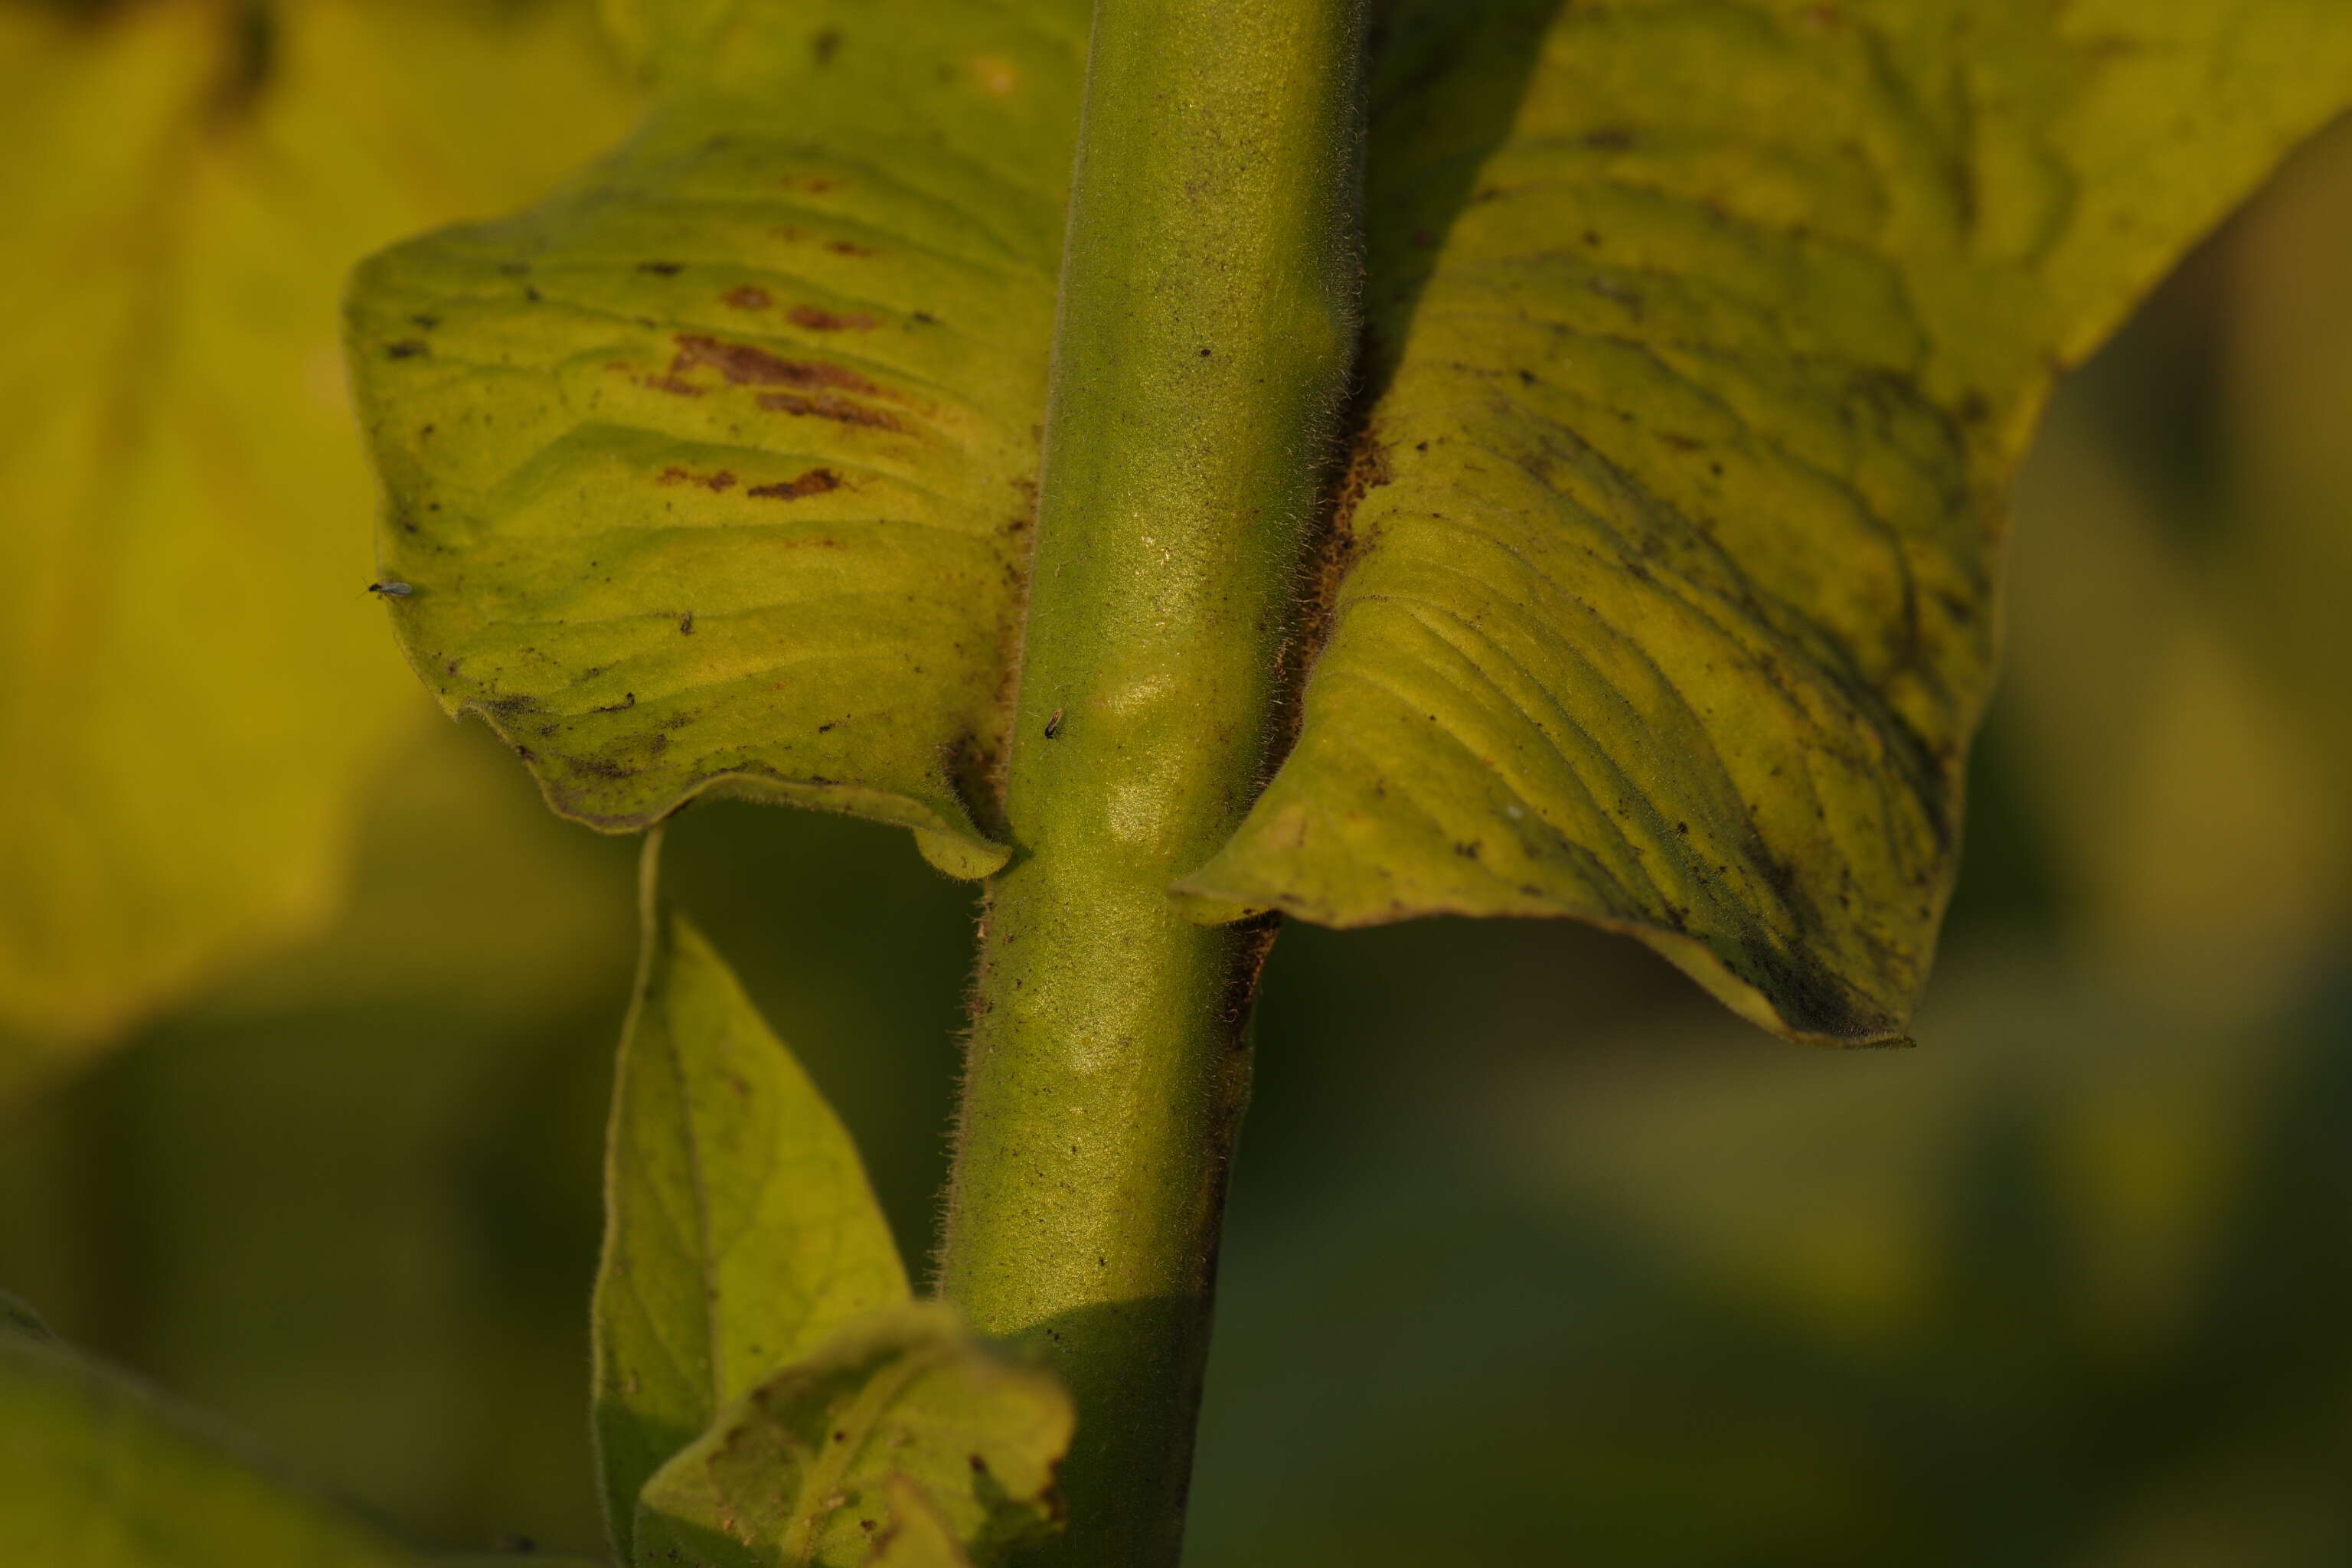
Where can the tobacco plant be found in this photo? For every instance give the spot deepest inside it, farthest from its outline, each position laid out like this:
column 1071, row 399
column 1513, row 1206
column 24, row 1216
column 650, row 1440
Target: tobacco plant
column 1197, row 465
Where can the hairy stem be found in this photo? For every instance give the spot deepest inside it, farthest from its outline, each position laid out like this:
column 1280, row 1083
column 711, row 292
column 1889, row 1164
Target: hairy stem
column 1207, row 326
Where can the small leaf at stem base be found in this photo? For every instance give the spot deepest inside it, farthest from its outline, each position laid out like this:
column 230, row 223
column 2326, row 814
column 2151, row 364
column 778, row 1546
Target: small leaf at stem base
column 902, row 1439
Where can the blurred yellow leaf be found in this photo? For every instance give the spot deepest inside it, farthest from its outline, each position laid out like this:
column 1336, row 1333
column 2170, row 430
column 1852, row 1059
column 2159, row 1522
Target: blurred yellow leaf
column 463, row 889
column 193, row 682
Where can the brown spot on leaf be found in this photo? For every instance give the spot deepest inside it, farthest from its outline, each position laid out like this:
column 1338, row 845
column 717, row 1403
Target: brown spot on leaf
column 662, row 268
column 676, row 385
column 815, row 482
column 407, row 348
column 830, row 405
column 746, row 365
column 817, row 321
column 848, row 248
column 714, row 482
column 747, row 297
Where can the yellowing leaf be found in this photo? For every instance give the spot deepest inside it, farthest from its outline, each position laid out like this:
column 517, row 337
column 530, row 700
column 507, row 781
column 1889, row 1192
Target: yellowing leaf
column 741, row 1232
column 192, row 681
column 712, row 472
column 96, row 1472
column 815, row 1466
column 1668, row 595
column 464, row 890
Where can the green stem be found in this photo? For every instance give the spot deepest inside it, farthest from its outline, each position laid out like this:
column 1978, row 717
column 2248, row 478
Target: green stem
column 1207, row 327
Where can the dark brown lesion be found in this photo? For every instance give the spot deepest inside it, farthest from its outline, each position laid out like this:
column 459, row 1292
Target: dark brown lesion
column 821, row 320
column 820, row 389
column 744, row 365
column 815, row 482
column 1253, row 940
column 830, row 405
column 1334, row 547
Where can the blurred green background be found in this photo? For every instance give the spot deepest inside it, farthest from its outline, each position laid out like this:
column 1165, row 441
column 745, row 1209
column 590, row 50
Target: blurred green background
column 1535, row 1255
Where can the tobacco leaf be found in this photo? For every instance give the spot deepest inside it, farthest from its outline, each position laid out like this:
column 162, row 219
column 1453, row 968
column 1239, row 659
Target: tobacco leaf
column 713, row 472
column 1705, row 338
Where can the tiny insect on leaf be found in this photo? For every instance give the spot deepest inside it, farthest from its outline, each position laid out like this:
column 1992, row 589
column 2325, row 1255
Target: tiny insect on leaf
column 391, row 589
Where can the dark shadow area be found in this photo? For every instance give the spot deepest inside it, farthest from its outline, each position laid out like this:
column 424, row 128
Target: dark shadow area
column 1447, row 77
column 1543, row 1385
